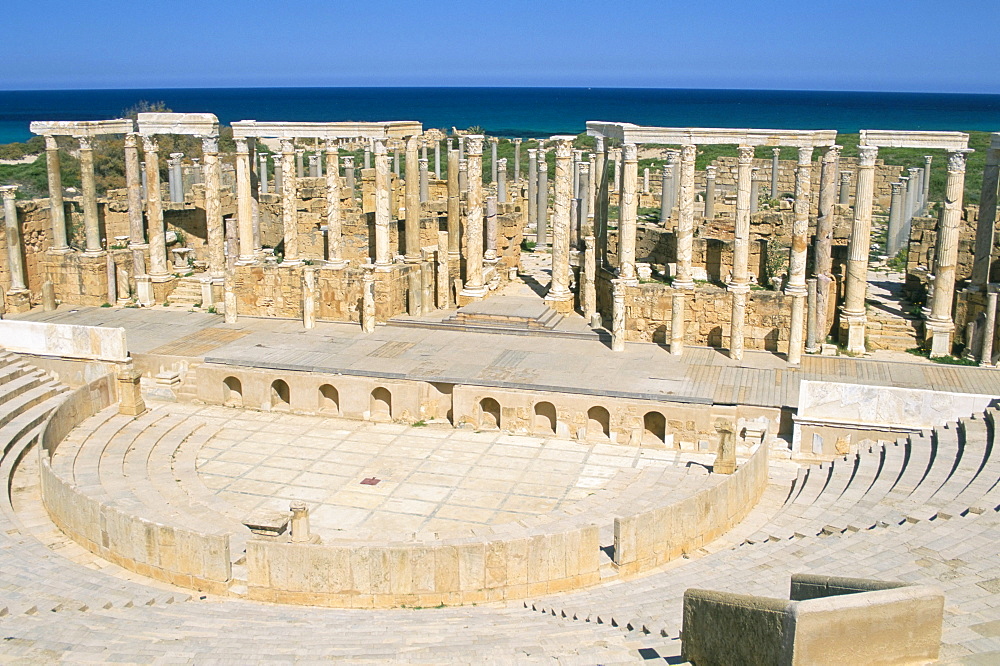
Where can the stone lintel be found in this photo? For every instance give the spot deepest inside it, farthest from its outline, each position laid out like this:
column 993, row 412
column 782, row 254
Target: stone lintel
column 389, row 129
column 195, row 124
column 915, row 139
column 79, row 128
column 629, row 133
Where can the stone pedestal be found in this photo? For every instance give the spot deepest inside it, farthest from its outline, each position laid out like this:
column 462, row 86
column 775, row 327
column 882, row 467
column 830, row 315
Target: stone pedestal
column 130, row 400
column 618, row 315
column 725, row 456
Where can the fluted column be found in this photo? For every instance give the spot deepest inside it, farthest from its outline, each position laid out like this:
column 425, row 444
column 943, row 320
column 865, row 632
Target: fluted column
column 244, row 207
column 588, row 298
column 154, row 210
column 57, row 210
column 91, row 226
column 853, row 317
column 474, row 288
column 334, row 222
column 628, row 209
column 412, row 194
column 213, row 207
column 987, row 218
column 383, row 210
column 454, row 209
column 739, row 286
column 13, row 229
column 559, row 287
column 796, row 287
column 940, row 324
column 133, row 189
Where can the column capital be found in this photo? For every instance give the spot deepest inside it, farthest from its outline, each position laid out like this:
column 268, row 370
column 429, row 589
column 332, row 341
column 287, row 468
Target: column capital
column 463, row 165
column 277, row 158
column 630, row 152
column 516, row 142
column 689, row 152
column 543, row 167
column 532, row 152
column 242, row 146
column 84, row 142
column 956, row 160
column 914, row 171
column 805, row 156
column 564, row 146
column 298, row 151
column 776, row 151
column 348, row 161
column 501, row 164
column 331, row 146
column 745, row 154
column 176, row 156
column 150, row 144
column 710, row 171
column 845, row 176
column 287, row 146
column 52, row 144
column 474, row 144
column 832, row 153
column 494, row 139
column 896, row 187
column 584, row 168
column 867, row 156
column 8, row 192
column 412, row 143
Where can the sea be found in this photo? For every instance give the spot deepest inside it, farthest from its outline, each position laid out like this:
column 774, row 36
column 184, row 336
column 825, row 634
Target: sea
column 524, row 112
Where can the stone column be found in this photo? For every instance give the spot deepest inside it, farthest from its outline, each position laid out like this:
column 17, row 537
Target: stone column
column 314, row 166
column 474, row 288
column 517, row 159
column 309, row 293
column 559, row 296
column 673, row 159
column 175, row 177
column 588, row 297
column 600, row 203
column 334, row 221
column 154, row 210
column 618, row 314
column 454, row 209
column 940, row 324
column 853, row 317
column 133, row 186
column 289, row 210
column 912, row 192
column 628, row 212
column 892, row 234
column 244, row 205
column 13, row 229
column 214, row 230
column 463, row 176
column 493, row 158
column 645, row 180
column 412, row 194
column 437, row 160
column 775, row 157
column 395, row 161
column 616, row 159
column 491, row 228
column 89, row 191
column 543, row 201
column 57, row 210
column 586, row 213
column 279, row 173
column 666, row 178
column 796, row 287
column 368, row 279
column 383, row 210
column 533, row 188
column 989, row 330
column 461, row 148
column 925, row 195
column 349, row 175
column 982, row 256
column 443, row 272
column 300, row 171
column 263, row 174
column 709, row 192
column 754, row 190
column 845, row 188
column 812, row 336
column 502, row 180
column 739, row 286
column 367, row 156
column 685, row 219
column 822, row 253
column 424, row 185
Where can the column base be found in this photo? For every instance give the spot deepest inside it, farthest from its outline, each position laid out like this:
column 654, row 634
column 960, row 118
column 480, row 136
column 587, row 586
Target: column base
column 336, row 263
column 940, row 336
column 60, row 250
column 471, row 295
column 93, row 253
column 561, row 302
column 18, row 300
column 852, row 332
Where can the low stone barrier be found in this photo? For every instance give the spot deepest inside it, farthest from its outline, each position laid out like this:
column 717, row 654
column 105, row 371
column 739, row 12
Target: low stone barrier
column 182, row 557
column 461, row 571
column 96, row 343
column 649, row 538
column 827, row 621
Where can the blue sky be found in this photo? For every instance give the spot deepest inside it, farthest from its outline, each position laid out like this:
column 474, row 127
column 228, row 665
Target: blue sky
column 916, row 45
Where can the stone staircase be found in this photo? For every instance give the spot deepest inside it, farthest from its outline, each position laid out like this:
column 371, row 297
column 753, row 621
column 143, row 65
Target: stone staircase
column 892, row 331
column 187, row 292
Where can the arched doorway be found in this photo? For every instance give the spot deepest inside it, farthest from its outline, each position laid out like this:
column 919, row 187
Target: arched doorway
column 232, row 392
column 329, row 399
column 545, row 418
column 380, row 406
column 598, row 423
column 279, row 394
column 654, row 428
column 489, row 414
